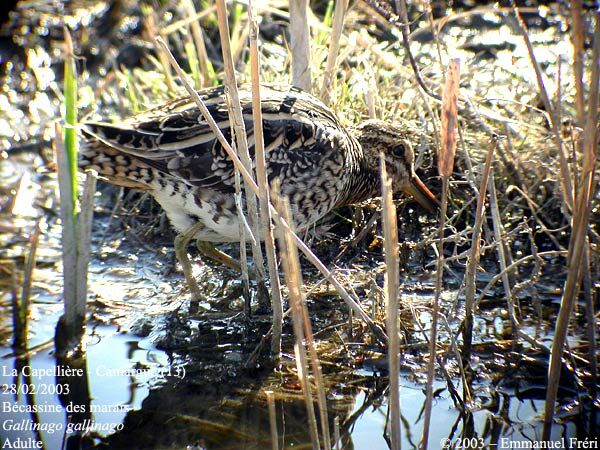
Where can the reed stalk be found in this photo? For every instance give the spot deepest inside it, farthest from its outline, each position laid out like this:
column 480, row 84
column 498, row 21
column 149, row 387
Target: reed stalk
column 20, row 307
column 577, row 40
column 263, row 185
column 300, row 44
column 76, row 219
column 272, row 420
column 193, row 16
column 84, row 238
column 350, row 301
column 70, row 128
column 341, row 6
column 445, row 167
column 192, row 58
column 293, row 277
column 473, row 260
column 316, row 369
column 152, row 31
column 579, row 229
column 392, row 282
column 304, row 319
column 244, row 230
column 206, row 70
column 69, row 234
column 241, row 141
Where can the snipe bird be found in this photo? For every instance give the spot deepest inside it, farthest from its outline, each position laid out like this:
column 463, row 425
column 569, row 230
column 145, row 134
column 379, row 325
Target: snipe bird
column 171, row 152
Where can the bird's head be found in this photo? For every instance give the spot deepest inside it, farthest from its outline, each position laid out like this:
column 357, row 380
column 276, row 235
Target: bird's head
column 376, row 137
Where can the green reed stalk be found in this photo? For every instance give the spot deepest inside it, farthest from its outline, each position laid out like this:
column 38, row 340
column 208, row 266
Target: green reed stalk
column 70, row 130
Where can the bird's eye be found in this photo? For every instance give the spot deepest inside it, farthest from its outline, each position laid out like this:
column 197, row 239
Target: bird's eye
column 399, row 150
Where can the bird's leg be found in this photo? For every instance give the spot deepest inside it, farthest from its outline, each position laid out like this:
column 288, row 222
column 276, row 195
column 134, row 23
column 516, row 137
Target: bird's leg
column 182, row 241
column 210, row 251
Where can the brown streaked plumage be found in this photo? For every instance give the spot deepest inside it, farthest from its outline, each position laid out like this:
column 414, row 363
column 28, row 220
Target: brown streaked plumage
column 171, row 152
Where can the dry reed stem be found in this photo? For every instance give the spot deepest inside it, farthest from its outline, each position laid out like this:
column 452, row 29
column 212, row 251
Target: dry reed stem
column 341, row 6
column 473, row 260
column 390, row 234
column 152, row 30
column 294, row 264
column 271, row 408
column 317, row 372
column 193, row 17
column 434, row 319
column 291, row 269
column 243, row 230
column 449, row 119
column 590, row 312
column 580, row 221
column 263, row 184
column 577, row 40
column 448, row 139
column 239, row 131
column 565, row 180
column 350, row 301
column 436, row 32
column 406, row 43
column 198, row 38
column 300, row 44
column 498, row 230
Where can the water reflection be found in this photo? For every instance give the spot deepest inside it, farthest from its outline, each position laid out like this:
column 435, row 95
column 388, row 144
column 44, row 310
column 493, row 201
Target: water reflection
column 127, row 394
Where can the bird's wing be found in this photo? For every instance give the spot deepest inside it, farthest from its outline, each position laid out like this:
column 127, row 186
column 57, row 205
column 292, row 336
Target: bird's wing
column 175, row 139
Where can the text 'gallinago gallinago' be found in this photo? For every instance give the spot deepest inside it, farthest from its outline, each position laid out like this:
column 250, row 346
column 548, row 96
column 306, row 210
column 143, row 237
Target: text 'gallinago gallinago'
column 171, row 152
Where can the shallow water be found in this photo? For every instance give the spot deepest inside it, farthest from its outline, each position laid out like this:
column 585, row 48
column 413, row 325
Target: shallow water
column 231, row 413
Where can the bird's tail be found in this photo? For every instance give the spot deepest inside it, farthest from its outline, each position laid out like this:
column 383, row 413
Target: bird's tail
column 112, row 165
